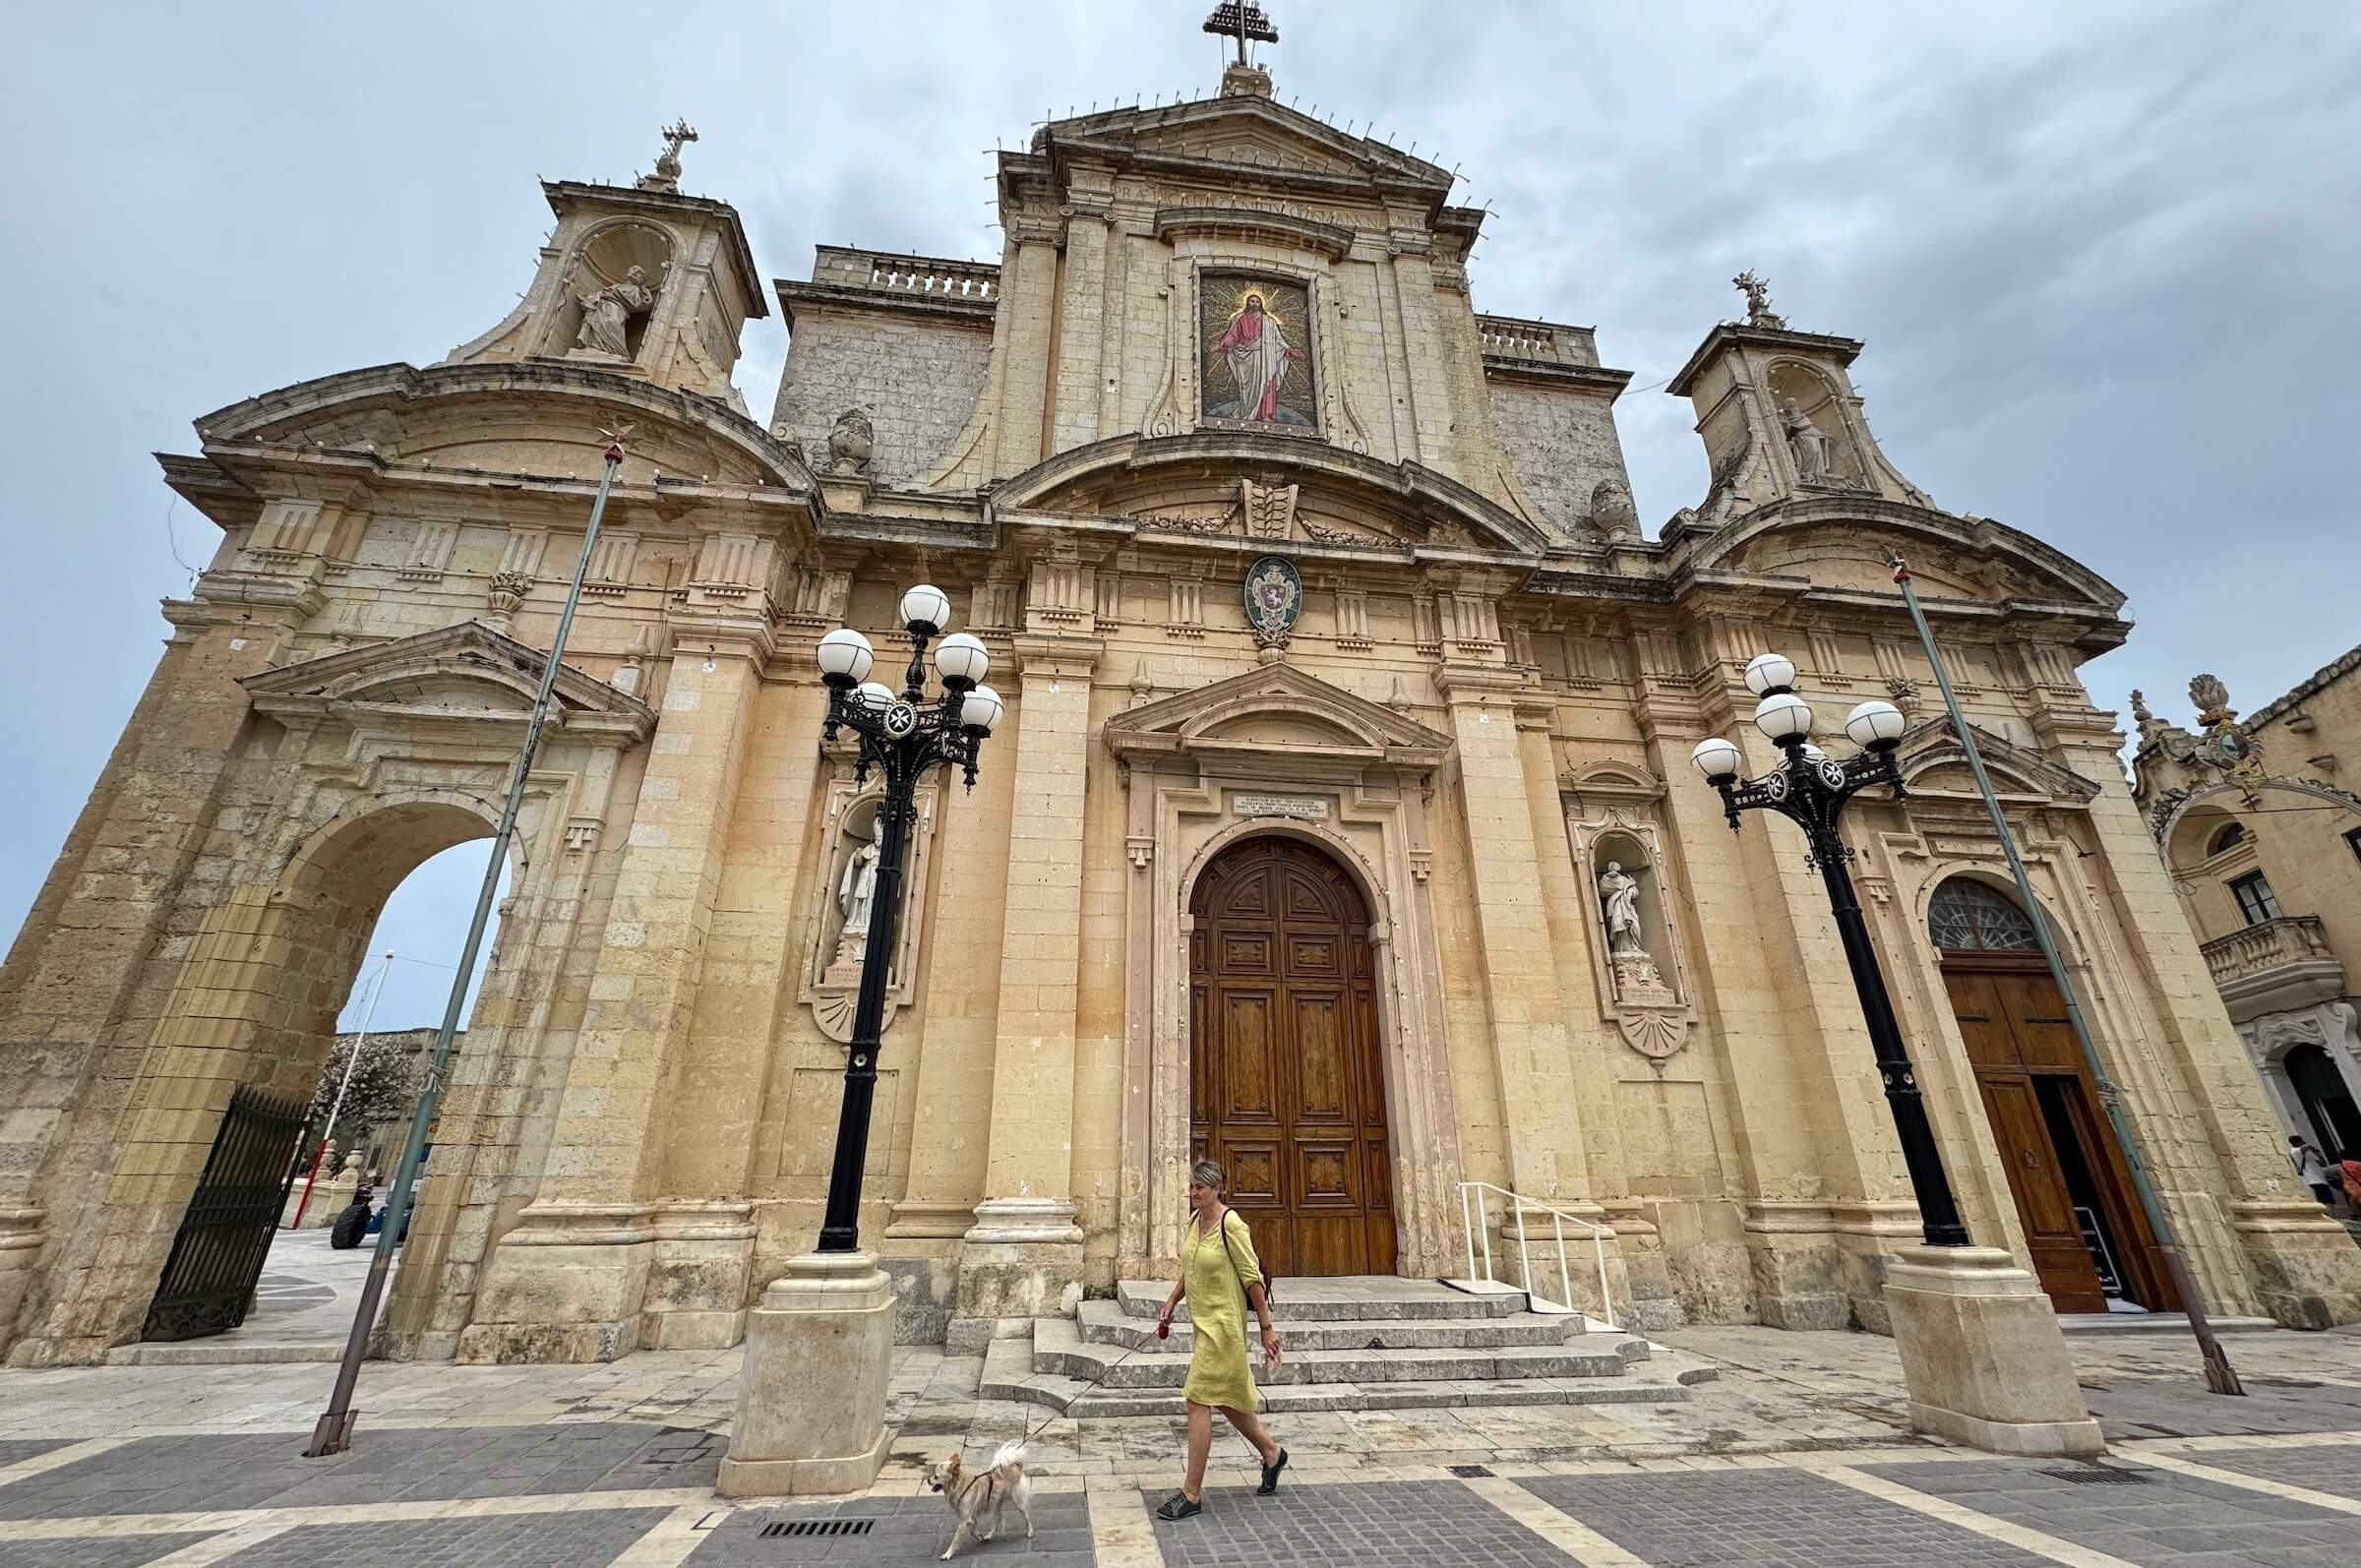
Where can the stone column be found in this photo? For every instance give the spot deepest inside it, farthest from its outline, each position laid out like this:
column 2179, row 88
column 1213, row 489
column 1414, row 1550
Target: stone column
column 1023, row 1256
column 1082, row 309
column 1030, row 304
column 569, row 1283
column 1531, row 1052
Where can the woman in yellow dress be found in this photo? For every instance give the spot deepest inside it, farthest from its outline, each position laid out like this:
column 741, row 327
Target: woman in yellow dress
column 1218, row 1277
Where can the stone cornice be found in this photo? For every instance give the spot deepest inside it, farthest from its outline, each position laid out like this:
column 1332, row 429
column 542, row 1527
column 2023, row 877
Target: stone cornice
column 564, row 194
column 1731, row 334
column 943, row 306
column 1246, row 222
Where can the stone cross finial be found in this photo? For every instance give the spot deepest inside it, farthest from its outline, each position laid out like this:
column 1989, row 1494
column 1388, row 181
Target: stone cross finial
column 1758, row 301
column 668, row 162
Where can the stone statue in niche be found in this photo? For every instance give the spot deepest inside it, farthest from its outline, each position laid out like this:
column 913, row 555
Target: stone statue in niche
column 1638, row 979
column 1620, row 904
column 1806, row 441
column 856, row 896
column 857, row 892
column 607, row 315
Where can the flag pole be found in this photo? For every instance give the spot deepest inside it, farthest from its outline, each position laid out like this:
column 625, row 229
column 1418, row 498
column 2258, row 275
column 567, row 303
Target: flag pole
column 337, row 1107
column 333, row 1433
column 2221, row 1376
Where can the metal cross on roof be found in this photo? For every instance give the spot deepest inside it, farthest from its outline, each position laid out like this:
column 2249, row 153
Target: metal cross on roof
column 1241, row 21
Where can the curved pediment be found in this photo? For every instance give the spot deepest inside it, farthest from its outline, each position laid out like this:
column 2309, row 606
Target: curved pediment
column 1847, row 545
column 1325, row 495
column 1275, row 711
column 467, row 674
column 523, row 418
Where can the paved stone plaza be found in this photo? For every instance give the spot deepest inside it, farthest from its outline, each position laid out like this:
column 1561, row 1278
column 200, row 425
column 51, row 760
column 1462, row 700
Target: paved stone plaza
column 1797, row 1453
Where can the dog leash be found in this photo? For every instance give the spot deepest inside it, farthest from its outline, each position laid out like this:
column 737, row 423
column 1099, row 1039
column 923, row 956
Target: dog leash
column 1060, row 1414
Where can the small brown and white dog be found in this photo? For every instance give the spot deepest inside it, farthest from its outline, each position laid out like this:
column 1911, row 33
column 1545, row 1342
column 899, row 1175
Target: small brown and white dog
column 973, row 1493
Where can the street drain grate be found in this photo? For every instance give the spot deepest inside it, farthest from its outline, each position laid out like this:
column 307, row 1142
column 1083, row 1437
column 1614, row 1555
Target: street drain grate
column 2094, row 1476
column 818, row 1527
column 1469, row 1471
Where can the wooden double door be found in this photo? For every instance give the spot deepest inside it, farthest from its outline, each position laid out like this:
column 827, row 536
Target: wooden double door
column 1286, row 1091
column 2074, row 1193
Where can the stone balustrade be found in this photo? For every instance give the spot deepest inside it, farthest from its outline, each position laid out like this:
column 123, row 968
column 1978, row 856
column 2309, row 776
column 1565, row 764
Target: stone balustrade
column 2270, row 944
column 930, row 276
column 1538, row 343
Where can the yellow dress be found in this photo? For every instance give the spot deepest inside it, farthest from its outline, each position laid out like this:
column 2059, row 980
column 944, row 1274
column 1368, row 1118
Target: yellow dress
column 1218, row 1375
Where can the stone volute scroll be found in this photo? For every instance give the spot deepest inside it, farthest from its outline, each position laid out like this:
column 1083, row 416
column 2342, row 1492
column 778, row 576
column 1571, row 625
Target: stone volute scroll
column 846, row 903
column 1620, row 855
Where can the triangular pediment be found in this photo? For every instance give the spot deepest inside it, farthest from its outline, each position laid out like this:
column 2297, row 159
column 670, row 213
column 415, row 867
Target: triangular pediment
column 1276, row 710
column 464, row 674
column 1932, row 762
column 1241, row 131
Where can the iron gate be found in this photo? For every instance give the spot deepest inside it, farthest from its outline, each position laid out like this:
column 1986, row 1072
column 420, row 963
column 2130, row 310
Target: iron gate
column 226, row 1234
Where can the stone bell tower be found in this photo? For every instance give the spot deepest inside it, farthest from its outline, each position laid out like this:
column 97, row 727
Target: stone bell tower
column 639, row 281
column 1778, row 415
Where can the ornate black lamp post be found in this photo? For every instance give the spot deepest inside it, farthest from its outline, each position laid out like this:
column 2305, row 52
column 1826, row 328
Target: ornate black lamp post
column 901, row 735
column 1811, row 789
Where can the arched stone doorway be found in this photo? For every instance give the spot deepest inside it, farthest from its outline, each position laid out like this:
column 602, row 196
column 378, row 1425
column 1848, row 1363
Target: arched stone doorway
column 2327, row 1103
column 2089, row 1241
column 1287, row 1086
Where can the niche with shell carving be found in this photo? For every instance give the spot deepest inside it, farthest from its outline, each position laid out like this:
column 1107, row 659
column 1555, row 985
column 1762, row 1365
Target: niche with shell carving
column 617, row 275
column 846, row 905
column 1809, row 423
column 1636, row 950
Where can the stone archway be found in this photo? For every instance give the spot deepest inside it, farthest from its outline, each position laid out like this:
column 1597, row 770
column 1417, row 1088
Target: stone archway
column 352, row 771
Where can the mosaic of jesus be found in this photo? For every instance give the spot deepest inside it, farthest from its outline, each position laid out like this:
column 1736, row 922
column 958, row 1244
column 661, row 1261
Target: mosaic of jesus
column 1257, row 366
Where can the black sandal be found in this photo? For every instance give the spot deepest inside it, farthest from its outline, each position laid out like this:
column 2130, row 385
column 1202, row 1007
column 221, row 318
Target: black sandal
column 1270, row 1476
column 1179, row 1505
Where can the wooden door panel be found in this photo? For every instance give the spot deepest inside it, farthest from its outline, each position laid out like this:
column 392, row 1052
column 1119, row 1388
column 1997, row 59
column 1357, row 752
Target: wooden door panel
column 1285, row 1082
column 2052, row 1232
column 1323, row 1059
column 1983, row 1020
column 1247, row 1080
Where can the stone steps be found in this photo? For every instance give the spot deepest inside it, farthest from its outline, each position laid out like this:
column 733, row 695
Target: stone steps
column 1010, row 1373
column 1107, row 1323
column 1059, row 1347
column 1321, row 1300
column 1351, row 1345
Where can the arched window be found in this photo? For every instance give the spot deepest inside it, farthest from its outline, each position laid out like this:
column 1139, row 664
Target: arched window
column 1970, row 916
column 2232, row 834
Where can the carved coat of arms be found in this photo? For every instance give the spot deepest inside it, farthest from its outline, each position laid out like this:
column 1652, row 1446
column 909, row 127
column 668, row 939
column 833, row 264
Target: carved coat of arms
column 1273, row 599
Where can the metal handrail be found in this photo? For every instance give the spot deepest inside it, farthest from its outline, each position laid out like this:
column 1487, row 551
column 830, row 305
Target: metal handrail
column 1477, row 1219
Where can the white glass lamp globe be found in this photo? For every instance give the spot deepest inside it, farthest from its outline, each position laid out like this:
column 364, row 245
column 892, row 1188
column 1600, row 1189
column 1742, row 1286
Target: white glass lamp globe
column 1813, row 753
column 961, row 661
column 1716, row 758
column 1874, row 724
column 980, row 709
column 926, row 609
column 1784, row 717
column 877, row 694
column 845, row 655
column 1770, row 672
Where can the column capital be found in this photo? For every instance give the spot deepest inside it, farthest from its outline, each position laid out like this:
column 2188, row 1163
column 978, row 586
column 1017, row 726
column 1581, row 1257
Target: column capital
column 1073, row 658
column 1472, row 683
column 723, row 634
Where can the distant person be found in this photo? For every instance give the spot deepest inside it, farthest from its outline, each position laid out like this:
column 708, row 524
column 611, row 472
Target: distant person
column 2349, row 1167
column 2312, row 1167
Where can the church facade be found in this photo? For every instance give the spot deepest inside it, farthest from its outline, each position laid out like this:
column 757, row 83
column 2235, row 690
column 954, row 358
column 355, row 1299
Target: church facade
column 1340, row 827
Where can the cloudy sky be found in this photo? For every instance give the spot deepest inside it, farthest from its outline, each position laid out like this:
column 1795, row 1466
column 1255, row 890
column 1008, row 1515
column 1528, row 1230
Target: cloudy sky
column 2106, row 257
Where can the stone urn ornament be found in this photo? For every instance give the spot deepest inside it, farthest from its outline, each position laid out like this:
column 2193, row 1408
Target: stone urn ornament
column 852, row 441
